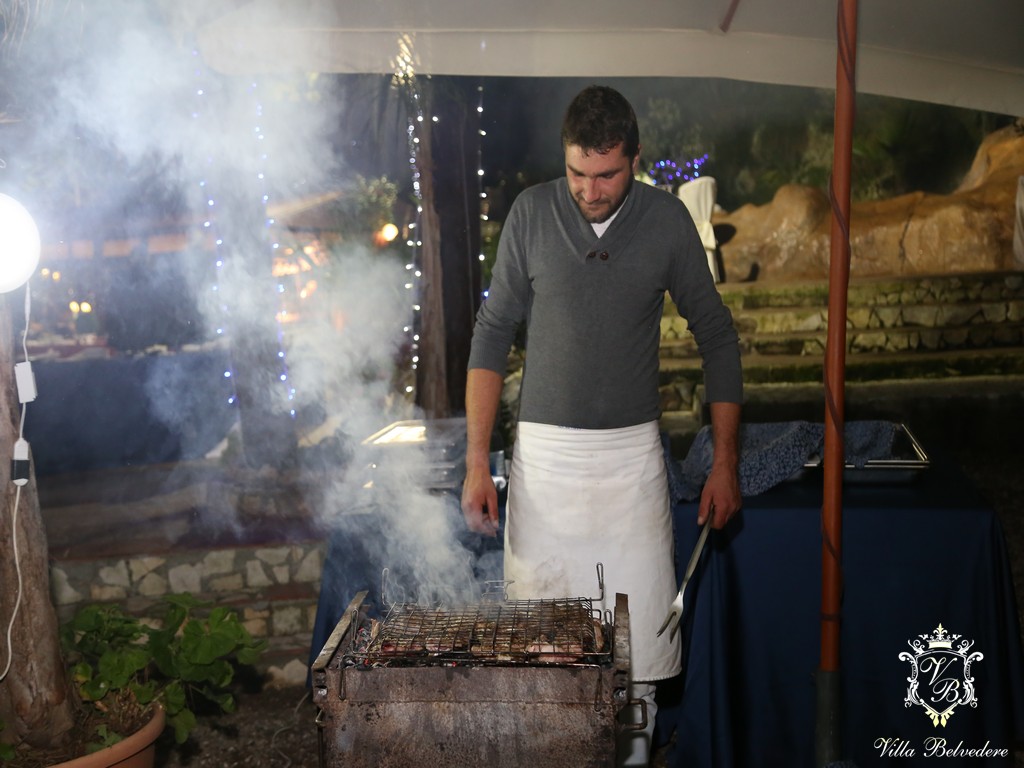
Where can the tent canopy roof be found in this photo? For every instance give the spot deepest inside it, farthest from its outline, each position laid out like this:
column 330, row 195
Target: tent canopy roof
column 943, row 51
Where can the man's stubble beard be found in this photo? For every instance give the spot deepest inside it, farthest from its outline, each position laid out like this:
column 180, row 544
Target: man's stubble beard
column 611, row 210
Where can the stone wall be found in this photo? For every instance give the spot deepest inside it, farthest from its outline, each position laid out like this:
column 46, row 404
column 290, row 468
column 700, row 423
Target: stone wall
column 922, row 337
column 273, row 588
column 926, row 313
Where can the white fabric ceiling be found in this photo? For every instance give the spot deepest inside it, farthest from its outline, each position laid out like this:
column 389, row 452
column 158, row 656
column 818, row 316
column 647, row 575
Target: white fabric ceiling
column 967, row 53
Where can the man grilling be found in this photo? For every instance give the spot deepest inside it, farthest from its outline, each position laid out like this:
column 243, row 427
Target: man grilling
column 585, row 261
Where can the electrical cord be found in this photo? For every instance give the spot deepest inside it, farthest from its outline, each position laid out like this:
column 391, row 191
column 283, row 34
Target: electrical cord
column 17, row 500
column 17, row 568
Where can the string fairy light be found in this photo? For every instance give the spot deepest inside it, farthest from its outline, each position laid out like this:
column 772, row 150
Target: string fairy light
column 669, row 172
column 281, row 316
column 480, row 165
column 404, row 77
column 211, row 234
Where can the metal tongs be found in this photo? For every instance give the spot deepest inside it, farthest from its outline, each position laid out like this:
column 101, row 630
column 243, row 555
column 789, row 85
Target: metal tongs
column 675, row 613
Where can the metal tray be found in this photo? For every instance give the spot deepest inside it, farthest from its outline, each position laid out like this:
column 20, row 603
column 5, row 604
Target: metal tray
column 907, row 462
column 430, row 453
column 440, row 436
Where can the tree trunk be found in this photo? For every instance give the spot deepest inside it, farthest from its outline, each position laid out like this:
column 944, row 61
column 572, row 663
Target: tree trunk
column 450, row 224
column 432, row 371
column 456, row 140
column 34, row 697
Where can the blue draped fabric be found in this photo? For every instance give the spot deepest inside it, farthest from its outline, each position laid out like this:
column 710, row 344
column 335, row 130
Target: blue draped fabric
column 915, row 555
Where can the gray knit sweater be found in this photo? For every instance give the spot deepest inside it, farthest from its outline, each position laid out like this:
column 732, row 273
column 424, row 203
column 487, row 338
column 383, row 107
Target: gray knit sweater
column 593, row 307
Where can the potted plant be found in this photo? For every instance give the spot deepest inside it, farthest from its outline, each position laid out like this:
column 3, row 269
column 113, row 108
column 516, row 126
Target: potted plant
column 135, row 675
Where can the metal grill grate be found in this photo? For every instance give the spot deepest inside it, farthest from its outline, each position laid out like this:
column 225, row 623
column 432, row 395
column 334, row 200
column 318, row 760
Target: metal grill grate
column 552, row 631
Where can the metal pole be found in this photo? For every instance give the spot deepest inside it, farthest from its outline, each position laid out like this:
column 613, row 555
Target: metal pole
column 827, row 736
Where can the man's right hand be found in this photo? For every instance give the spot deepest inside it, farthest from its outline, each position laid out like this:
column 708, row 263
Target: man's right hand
column 480, row 502
column 479, row 496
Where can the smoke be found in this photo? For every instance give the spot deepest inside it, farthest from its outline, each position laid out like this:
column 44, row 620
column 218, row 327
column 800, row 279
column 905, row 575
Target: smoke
column 347, row 355
column 130, row 82
column 396, row 502
column 413, row 534
column 133, row 128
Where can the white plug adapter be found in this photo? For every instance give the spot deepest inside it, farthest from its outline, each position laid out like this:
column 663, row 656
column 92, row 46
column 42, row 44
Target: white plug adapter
column 26, row 381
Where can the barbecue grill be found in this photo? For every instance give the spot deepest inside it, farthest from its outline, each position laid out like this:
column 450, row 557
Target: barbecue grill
column 502, row 683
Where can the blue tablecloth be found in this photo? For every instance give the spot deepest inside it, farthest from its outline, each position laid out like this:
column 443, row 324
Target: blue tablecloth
column 915, row 555
column 106, row 413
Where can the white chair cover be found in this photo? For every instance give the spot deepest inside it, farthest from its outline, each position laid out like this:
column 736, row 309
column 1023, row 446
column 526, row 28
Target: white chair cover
column 699, row 198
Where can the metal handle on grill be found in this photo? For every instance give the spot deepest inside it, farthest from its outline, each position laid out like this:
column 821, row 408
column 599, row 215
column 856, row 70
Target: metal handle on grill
column 643, row 716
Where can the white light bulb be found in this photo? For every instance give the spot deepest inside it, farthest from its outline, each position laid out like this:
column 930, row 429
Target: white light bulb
column 19, row 244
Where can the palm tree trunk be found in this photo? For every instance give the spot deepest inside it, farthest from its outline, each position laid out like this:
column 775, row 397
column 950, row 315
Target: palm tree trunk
column 451, row 242
column 34, row 696
column 432, row 372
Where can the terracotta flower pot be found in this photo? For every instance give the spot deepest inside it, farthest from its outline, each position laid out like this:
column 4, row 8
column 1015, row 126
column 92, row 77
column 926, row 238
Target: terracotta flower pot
column 135, row 751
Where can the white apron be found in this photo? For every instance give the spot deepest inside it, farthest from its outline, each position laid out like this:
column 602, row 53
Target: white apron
column 579, row 497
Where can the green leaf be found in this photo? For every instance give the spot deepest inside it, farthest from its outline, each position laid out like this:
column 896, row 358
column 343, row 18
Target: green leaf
column 88, row 619
column 173, row 618
column 225, row 701
column 219, row 673
column 163, row 646
column 250, row 654
column 94, row 690
column 204, row 645
column 174, row 698
column 185, row 600
column 183, row 723
column 81, row 672
column 107, row 738
column 144, row 692
column 118, row 666
column 194, row 652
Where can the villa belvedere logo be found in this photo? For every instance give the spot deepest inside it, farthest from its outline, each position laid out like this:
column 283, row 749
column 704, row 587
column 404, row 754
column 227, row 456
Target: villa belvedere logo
column 940, row 678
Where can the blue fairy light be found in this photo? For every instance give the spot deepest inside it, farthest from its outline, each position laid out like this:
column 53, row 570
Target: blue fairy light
column 668, row 172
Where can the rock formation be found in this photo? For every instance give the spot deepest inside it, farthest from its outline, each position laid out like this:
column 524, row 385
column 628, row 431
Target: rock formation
column 969, row 230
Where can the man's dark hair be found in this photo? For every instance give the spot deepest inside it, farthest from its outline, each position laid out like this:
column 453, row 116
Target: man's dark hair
column 598, row 119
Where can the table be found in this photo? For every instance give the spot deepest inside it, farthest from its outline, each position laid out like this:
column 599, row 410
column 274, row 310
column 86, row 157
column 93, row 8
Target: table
column 916, row 554
column 102, row 413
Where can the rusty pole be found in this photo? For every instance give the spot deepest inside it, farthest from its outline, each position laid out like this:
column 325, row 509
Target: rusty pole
column 827, row 742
